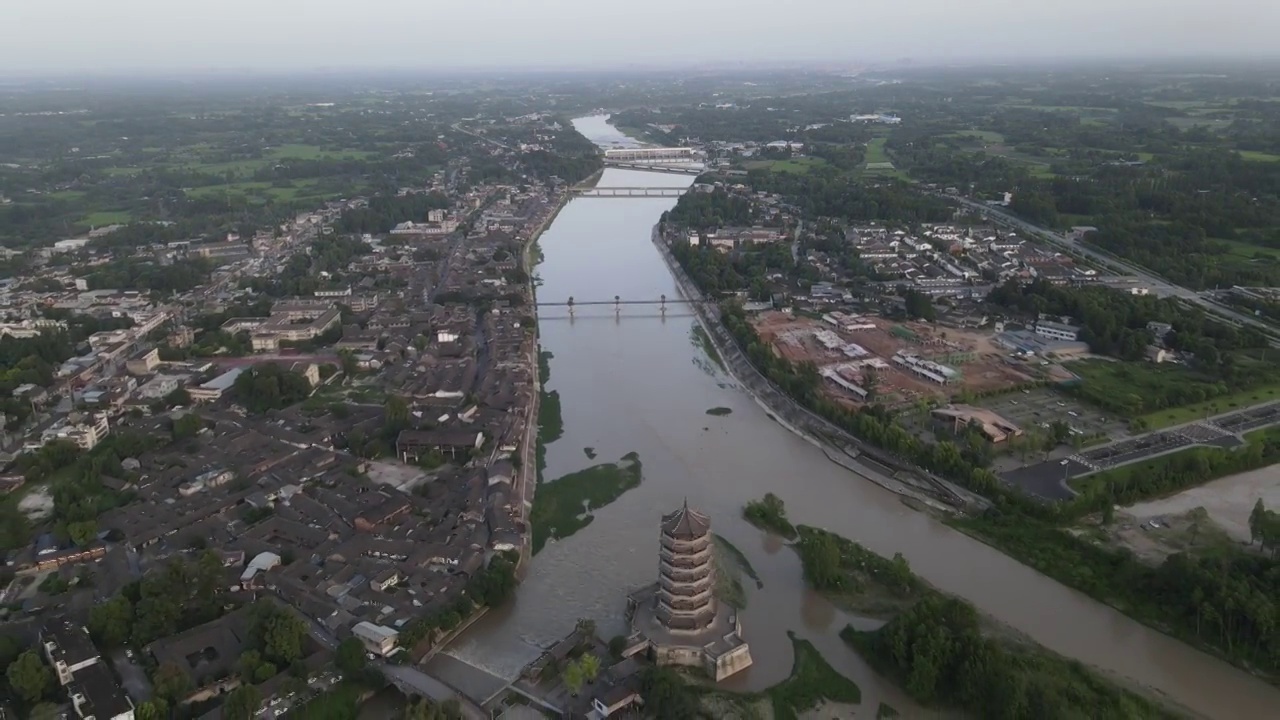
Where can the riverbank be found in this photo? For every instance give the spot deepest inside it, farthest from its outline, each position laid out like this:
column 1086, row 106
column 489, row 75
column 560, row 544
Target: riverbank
column 787, row 412
column 529, row 470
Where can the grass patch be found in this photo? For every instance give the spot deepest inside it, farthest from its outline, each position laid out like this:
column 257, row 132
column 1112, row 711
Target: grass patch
column 563, row 507
column 987, row 136
column 590, row 452
column 1216, row 406
column 703, row 340
column 106, row 217
column 876, row 152
column 719, row 411
column 1258, row 156
column 1134, row 389
column 769, row 514
column 790, row 165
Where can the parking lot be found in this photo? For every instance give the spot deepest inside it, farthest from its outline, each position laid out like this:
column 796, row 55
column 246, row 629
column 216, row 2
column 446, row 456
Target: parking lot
column 1040, row 407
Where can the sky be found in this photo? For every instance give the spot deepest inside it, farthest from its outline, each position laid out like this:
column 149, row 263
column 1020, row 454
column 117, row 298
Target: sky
column 168, row 36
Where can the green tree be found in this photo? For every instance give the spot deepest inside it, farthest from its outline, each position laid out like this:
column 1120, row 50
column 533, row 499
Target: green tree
column 171, row 683
column 350, row 657
column 590, row 667
column 242, row 703
column 187, row 426
column 84, row 533
column 1257, row 521
column 111, row 623
column 29, row 677
column 156, row 709
column 573, row 677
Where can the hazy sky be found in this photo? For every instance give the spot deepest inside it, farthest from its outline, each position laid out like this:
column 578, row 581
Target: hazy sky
column 175, row 35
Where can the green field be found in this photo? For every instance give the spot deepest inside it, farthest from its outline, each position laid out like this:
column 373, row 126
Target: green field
column 1216, row 406
column 1258, row 156
column 1139, row 389
column 106, row 217
column 987, row 136
column 1249, row 252
column 792, row 165
column 315, row 152
column 876, row 152
column 301, row 188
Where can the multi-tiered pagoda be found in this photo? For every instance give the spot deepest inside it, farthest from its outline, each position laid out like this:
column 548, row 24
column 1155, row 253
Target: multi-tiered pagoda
column 678, row 618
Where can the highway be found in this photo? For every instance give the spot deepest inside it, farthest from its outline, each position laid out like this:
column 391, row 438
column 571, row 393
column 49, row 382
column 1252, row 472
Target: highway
column 1159, row 285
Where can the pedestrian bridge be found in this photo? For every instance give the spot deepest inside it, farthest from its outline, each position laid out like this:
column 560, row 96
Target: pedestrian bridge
column 637, row 192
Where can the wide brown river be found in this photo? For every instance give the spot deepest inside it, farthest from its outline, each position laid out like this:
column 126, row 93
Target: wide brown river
column 639, row 383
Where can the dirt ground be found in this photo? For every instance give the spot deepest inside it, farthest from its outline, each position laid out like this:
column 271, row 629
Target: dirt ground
column 792, row 339
column 1228, row 500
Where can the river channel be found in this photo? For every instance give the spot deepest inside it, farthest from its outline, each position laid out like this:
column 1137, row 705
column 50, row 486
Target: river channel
column 638, row 382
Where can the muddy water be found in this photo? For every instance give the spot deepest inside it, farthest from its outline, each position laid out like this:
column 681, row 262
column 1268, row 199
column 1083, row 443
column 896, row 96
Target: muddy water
column 637, row 382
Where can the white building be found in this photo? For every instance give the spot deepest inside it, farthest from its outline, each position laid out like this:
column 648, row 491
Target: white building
column 1057, row 331
column 377, row 639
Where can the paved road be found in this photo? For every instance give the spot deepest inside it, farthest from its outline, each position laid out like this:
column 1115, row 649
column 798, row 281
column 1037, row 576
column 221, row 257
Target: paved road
column 132, row 677
column 1159, row 285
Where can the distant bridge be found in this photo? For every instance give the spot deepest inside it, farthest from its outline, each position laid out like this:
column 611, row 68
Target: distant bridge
column 639, row 192
column 617, row 302
column 679, row 169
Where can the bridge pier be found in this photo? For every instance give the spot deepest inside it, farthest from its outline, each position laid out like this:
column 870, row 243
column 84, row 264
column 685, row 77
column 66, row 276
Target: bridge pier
column 570, row 307
column 662, row 306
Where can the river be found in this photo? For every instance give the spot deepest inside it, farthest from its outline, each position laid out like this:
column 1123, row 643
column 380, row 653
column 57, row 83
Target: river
column 638, row 382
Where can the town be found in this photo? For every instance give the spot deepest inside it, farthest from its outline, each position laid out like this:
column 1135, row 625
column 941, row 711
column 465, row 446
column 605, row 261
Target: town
column 337, row 421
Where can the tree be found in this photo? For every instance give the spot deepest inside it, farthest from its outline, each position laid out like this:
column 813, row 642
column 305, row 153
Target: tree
column 617, row 645
column 156, row 709
column 573, row 677
column 170, row 682
column 1257, row 519
column 83, row 534
column 350, row 656
column 242, row 703
column 590, row 666
column 111, row 623
column 397, row 413
column 187, row 426
column 29, row 677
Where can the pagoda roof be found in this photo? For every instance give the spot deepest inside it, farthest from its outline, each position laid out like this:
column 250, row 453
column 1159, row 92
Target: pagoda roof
column 686, row 524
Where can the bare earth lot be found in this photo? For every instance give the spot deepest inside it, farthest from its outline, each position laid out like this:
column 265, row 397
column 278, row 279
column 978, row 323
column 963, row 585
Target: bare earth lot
column 1228, row 500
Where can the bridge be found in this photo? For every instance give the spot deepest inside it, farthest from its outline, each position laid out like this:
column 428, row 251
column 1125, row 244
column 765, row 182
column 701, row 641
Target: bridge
column 679, row 169
column 650, row 154
column 642, row 192
column 617, row 302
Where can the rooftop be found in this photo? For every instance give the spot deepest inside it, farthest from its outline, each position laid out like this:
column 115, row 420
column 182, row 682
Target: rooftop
column 686, row 524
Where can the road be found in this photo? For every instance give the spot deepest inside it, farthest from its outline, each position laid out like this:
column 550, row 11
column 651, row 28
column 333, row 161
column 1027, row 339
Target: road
column 1159, row 285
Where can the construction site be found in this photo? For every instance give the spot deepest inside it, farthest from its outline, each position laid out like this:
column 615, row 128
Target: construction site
column 866, row 358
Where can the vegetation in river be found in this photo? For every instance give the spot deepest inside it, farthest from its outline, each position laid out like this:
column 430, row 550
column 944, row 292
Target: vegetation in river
column 737, row 556
column 563, row 507
column 550, row 421
column 943, row 653
column 769, row 514
column 719, row 411
column 1224, row 603
column 854, row 577
column 668, row 695
column 937, row 652
column 590, row 452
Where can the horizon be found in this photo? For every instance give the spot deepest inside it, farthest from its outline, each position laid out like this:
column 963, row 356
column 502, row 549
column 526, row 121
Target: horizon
column 148, row 38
